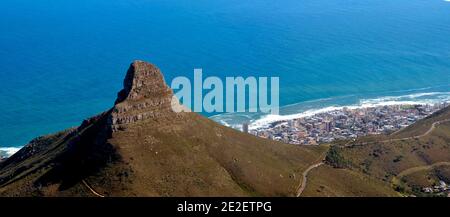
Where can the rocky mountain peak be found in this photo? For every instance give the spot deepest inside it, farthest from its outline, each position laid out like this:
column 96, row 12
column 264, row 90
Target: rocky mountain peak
column 145, row 95
column 143, row 80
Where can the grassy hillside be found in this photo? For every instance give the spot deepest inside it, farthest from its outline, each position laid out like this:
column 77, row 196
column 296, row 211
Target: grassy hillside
column 326, row 181
column 200, row 158
column 387, row 157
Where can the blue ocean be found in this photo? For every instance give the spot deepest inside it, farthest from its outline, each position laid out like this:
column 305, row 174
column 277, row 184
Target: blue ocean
column 64, row 61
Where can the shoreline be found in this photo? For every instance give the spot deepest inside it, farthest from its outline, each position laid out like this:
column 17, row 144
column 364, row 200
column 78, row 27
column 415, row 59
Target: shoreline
column 345, row 123
column 6, row 152
column 257, row 122
column 313, row 107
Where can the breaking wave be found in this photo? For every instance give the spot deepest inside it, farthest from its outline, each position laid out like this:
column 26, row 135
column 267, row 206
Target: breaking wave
column 311, row 108
column 8, row 151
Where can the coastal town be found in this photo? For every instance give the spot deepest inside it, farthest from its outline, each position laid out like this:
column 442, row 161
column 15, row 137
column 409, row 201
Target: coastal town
column 345, row 123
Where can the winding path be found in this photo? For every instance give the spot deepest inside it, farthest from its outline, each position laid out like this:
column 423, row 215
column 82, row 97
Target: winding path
column 433, row 126
column 350, row 144
column 305, row 178
column 420, row 168
column 91, row 189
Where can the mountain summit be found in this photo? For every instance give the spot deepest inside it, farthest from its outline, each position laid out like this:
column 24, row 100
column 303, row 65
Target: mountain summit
column 140, row 147
column 145, row 95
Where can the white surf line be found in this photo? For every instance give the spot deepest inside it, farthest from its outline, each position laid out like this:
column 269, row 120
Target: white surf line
column 10, row 150
column 265, row 121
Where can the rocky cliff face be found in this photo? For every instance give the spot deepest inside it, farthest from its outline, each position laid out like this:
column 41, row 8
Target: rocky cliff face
column 145, row 95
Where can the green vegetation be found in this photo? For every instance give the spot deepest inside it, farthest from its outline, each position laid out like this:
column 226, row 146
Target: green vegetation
column 397, row 159
column 387, row 164
column 326, row 181
column 408, row 165
column 335, row 159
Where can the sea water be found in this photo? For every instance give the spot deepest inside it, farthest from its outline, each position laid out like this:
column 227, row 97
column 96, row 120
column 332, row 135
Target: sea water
column 63, row 61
